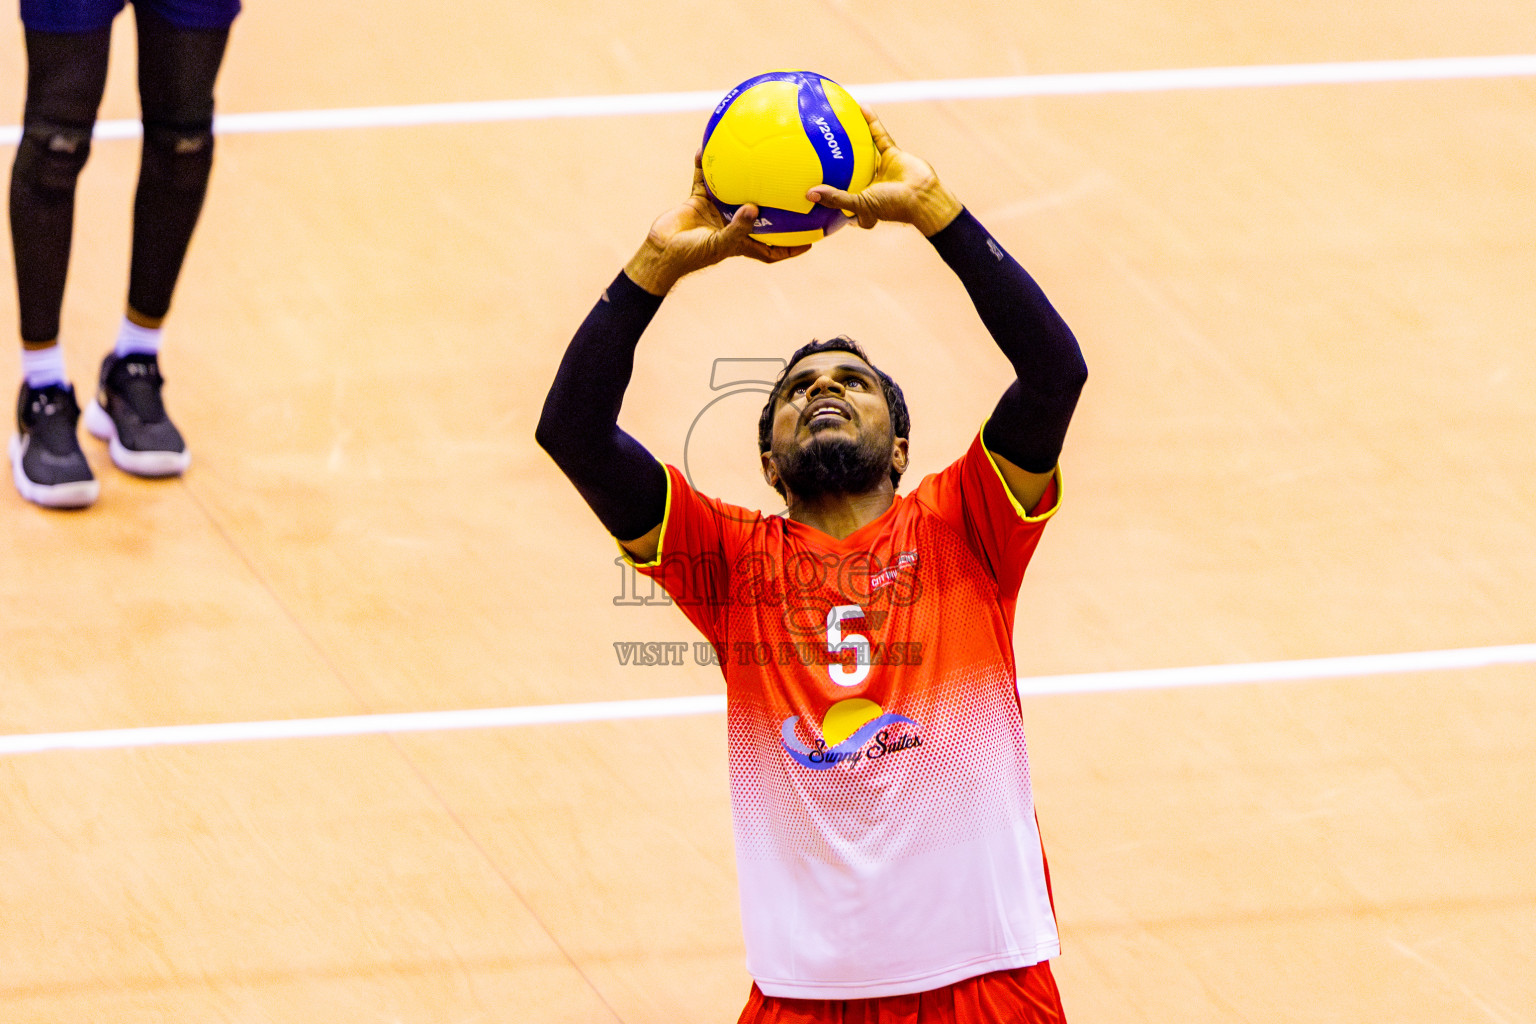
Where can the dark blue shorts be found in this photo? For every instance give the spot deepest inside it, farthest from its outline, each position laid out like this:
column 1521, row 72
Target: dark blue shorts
column 91, row 15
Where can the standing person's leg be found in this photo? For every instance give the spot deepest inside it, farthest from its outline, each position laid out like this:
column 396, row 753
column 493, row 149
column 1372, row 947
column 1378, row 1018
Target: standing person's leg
column 66, row 74
column 177, row 69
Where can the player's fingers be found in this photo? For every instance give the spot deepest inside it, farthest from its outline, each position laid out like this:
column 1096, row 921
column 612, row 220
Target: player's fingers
column 708, row 213
column 866, row 217
column 735, row 233
column 833, row 198
column 772, row 253
column 883, row 140
column 698, row 180
column 863, row 206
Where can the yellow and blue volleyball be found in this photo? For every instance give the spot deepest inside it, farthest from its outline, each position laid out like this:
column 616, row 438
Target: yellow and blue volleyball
column 775, row 136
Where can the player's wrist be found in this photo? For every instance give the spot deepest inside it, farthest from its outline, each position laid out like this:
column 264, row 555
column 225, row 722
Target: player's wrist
column 937, row 208
column 650, row 270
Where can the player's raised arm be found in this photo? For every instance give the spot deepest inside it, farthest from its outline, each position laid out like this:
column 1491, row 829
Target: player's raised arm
column 1026, row 430
column 905, row 189
column 694, row 235
column 620, row 480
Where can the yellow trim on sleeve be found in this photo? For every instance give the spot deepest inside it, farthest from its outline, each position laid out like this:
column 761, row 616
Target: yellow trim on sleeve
column 1020, row 509
column 661, row 539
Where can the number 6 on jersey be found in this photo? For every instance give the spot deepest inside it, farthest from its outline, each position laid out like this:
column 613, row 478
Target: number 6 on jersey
column 858, row 643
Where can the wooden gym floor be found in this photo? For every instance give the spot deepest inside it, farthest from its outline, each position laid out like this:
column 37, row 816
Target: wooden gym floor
column 1308, row 434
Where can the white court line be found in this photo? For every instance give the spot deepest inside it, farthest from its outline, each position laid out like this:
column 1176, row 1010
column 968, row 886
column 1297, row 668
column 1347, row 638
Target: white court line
column 671, row 707
column 1281, row 671
column 875, row 94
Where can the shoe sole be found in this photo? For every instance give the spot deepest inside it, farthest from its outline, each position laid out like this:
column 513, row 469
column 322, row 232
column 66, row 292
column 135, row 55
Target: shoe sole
column 76, row 494
column 101, row 427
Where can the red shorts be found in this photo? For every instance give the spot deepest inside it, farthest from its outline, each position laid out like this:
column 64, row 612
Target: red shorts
column 1025, row 995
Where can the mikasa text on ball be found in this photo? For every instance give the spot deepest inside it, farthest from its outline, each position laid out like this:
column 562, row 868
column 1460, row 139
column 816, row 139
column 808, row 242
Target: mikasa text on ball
column 775, row 136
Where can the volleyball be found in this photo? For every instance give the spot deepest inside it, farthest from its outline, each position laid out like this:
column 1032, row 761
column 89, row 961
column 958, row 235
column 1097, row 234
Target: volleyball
column 775, row 136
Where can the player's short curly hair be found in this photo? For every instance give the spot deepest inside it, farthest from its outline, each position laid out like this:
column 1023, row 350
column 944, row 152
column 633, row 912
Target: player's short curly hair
column 901, row 420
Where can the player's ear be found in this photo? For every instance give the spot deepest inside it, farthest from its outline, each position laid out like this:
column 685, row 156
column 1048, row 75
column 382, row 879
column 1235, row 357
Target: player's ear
column 899, row 454
column 770, row 470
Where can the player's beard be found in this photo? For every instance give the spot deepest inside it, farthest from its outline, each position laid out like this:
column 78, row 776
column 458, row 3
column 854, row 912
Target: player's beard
column 834, row 465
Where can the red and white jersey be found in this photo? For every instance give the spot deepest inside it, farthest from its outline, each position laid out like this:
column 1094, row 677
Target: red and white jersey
column 885, row 830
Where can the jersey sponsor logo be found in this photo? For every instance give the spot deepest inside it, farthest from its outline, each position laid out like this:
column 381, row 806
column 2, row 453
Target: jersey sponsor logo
column 852, row 731
column 887, row 577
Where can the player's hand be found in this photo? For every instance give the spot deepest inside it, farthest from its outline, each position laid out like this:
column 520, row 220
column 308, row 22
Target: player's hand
column 905, row 188
column 693, row 236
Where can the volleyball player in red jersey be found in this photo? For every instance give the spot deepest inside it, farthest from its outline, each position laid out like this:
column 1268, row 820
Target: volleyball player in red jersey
column 889, row 862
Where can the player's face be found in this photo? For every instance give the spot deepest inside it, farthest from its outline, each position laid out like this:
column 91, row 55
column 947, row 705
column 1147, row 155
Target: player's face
column 830, row 393
column 832, row 426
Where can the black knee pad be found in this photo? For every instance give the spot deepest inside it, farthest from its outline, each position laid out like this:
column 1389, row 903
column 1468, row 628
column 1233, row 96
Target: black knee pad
column 50, row 156
column 185, row 152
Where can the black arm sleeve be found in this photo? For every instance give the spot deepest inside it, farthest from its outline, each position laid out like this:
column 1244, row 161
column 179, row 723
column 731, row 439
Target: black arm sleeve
column 623, row 482
column 1030, row 422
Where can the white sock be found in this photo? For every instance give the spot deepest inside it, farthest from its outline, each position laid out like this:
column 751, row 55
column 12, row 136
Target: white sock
column 135, row 340
column 43, row 367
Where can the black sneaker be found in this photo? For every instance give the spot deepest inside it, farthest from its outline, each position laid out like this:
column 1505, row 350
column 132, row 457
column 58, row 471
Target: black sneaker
column 129, row 415
column 46, row 461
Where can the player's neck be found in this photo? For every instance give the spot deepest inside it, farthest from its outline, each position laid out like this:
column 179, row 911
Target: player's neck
column 838, row 515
